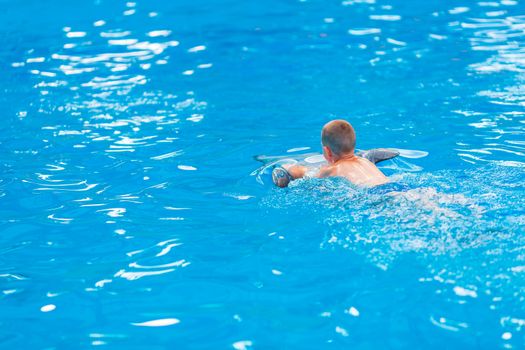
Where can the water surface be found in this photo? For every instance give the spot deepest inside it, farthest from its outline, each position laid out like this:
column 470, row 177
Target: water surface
column 131, row 215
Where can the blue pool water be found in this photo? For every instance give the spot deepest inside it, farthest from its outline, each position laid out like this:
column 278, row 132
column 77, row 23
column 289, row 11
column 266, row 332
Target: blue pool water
column 134, row 214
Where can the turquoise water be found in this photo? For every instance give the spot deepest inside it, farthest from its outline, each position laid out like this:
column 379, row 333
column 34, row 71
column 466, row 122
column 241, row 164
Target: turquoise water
column 134, row 214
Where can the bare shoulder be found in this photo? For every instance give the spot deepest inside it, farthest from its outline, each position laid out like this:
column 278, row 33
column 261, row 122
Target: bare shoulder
column 365, row 162
column 326, row 171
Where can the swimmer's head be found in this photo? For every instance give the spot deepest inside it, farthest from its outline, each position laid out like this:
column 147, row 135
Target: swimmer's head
column 338, row 138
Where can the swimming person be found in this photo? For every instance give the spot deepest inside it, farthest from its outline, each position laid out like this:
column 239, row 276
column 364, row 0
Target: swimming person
column 338, row 140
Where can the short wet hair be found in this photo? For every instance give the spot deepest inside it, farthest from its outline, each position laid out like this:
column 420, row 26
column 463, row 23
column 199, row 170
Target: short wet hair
column 339, row 136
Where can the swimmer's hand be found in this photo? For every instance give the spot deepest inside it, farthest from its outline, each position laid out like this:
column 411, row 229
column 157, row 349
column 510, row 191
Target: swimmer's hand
column 280, row 177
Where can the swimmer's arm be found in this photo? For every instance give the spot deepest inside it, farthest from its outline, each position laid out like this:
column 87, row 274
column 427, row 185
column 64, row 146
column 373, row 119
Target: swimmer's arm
column 296, row 171
column 282, row 175
column 288, row 172
column 299, row 171
column 325, row 171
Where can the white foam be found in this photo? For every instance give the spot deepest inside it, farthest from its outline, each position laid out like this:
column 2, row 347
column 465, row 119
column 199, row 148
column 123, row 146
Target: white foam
column 385, row 17
column 242, row 344
column 186, row 167
column 48, row 308
column 157, row 33
column 76, row 34
column 364, row 31
column 463, row 292
column 197, row 48
column 163, row 322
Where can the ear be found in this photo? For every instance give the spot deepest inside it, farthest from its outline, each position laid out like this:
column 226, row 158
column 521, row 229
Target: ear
column 328, row 155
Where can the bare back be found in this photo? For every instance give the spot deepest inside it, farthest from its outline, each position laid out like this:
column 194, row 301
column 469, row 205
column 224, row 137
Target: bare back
column 359, row 171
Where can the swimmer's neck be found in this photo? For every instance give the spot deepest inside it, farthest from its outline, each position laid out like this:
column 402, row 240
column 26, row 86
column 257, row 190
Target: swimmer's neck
column 344, row 158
